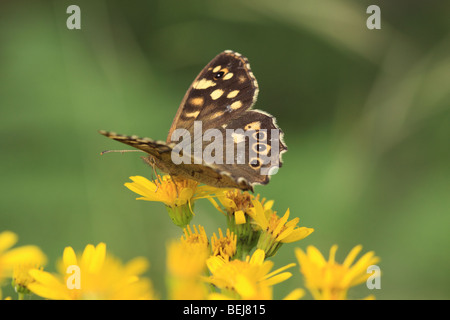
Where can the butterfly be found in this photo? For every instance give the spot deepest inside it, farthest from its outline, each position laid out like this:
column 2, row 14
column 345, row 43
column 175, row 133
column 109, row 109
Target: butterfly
column 247, row 145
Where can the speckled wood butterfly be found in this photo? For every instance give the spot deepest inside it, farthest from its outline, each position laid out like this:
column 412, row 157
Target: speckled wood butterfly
column 247, row 144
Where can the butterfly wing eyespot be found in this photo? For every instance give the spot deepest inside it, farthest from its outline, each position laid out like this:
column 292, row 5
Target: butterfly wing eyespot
column 255, row 163
column 219, row 75
column 261, row 148
column 260, row 135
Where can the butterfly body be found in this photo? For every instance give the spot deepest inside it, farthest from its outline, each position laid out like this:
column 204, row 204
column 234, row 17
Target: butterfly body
column 230, row 144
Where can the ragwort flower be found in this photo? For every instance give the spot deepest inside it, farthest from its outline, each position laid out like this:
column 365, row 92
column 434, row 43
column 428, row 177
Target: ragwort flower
column 329, row 280
column 249, row 279
column 275, row 230
column 178, row 195
column 224, row 246
column 186, row 263
column 93, row 275
column 11, row 258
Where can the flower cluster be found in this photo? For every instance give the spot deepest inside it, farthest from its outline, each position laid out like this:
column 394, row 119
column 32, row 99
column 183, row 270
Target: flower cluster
column 230, row 264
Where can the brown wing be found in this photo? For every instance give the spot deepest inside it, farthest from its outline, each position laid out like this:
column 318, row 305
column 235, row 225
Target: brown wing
column 222, row 91
column 252, row 149
column 220, row 98
column 160, row 155
column 150, row 146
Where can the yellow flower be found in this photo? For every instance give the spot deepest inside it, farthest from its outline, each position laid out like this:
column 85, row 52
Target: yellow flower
column 177, row 194
column 249, row 279
column 11, row 258
column 235, row 202
column 275, row 230
column 236, row 205
column 224, row 246
column 195, row 237
column 93, row 275
column 22, row 278
column 186, row 262
column 329, row 280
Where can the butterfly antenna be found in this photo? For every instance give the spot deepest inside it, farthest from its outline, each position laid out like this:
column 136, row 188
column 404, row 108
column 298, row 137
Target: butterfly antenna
column 121, row 151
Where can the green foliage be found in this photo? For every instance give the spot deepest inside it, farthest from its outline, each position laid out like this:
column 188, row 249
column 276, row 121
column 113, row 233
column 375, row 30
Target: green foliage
column 365, row 114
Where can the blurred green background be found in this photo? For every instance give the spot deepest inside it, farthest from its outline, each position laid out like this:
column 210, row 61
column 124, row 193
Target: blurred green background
column 365, row 113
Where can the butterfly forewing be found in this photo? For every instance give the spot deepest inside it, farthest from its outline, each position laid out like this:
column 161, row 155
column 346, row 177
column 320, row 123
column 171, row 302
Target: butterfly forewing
column 223, row 91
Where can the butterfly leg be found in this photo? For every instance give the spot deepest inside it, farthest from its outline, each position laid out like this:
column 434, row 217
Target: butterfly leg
column 151, row 162
column 176, row 187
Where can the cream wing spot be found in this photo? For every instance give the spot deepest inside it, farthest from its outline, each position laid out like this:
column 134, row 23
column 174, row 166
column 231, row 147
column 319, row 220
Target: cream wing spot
column 216, row 69
column 256, row 125
column 216, row 94
column 197, row 101
column 232, row 94
column 203, row 84
column 236, row 105
column 192, row 114
column 228, row 76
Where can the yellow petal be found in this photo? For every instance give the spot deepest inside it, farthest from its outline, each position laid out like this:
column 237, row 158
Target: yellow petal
column 45, row 278
column 144, row 183
column 268, row 205
column 315, row 256
column 332, row 256
column 86, row 257
column 215, row 263
column 359, row 269
column 258, row 257
column 227, row 203
column 293, row 222
column 208, row 191
column 185, row 195
column 258, row 215
column 297, row 234
column 46, row 292
column 244, row 286
column 301, row 256
column 149, row 193
column 7, row 240
column 279, row 270
column 285, row 233
column 295, row 294
column 69, row 257
column 98, row 258
column 240, row 217
column 25, row 254
column 218, row 296
column 281, row 222
column 137, row 266
column 351, row 256
column 277, row 278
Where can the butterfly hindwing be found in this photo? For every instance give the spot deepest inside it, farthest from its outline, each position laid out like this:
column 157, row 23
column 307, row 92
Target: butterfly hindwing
column 252, row 148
